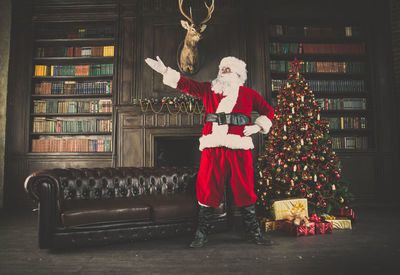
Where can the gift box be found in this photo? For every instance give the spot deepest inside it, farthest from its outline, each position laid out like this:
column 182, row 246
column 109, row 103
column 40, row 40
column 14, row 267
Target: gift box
column 340, row 223
column 284, row 209
column 321, row 227
column 271, row 226
column 345, row 212
column 298, row 230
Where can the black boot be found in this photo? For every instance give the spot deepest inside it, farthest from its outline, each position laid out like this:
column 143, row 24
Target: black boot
column 203, row 227
column 252, row 226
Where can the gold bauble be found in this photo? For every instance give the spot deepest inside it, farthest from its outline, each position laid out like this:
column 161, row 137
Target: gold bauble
column 341, row 200
column 278, row 192
column 284, row 137
column 287, row 193
column 309, row 195
column 278, row 169
column 285, row 166
column 322, row 158
column 298, row 146
column 260, row 182
column 312, row 157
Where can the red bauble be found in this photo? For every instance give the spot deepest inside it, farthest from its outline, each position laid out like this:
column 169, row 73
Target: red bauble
column 338, row 176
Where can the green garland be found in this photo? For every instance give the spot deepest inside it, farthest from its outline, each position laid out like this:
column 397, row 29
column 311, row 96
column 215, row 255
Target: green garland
column 182, row 104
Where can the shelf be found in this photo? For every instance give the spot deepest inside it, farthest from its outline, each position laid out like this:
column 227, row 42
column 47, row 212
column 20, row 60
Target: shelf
column 73, row 96
column 106, row 40
column 324, row 76
column 72, row 134
column 93, row 77
column 319, row 57
column 321, row 40
column 71, row 114
column 67, row 154
column 83, row 59
column 358, row 132
column 342, row 112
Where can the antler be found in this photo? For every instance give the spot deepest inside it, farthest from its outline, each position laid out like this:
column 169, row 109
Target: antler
column 184, row 14
column 210, row 11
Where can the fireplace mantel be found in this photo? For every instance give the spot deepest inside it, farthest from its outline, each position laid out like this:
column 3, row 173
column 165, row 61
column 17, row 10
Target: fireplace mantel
column 138, row 130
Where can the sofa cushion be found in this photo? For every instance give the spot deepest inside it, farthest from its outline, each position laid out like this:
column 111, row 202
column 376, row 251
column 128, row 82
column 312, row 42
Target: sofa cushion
column 171, row 207
column 85, row 212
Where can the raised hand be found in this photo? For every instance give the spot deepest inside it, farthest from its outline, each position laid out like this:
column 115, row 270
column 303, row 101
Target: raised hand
column 156, row 65
column 252, row 129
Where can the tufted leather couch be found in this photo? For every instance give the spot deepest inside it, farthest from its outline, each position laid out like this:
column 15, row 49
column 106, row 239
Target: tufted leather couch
column 79, row 207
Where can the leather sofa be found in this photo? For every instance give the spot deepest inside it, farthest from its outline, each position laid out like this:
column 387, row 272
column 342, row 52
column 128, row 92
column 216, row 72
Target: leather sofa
column 80, row 207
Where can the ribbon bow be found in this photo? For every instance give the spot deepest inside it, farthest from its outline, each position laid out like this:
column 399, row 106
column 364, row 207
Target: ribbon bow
column 315, row 218
column 297, row 215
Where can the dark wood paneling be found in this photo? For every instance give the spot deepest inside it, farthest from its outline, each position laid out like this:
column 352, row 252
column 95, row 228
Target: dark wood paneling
column 127, row 60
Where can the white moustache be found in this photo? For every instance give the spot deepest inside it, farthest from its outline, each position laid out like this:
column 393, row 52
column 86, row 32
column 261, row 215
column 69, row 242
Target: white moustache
column 226, row 83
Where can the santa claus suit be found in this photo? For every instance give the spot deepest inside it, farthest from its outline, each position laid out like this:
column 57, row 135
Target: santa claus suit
column 225, row 149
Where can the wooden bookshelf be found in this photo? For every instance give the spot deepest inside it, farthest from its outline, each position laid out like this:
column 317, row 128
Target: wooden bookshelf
column 61, row 51
column 331, row 43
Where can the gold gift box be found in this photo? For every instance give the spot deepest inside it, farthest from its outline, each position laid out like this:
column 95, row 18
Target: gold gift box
column 340, row 223
column 270, row 226
column 283, row 209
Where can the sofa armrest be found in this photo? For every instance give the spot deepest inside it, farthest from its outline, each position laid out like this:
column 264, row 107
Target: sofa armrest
column 44, row 187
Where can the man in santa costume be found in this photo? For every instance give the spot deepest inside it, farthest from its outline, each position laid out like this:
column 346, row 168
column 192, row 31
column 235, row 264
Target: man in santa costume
column 225, row 142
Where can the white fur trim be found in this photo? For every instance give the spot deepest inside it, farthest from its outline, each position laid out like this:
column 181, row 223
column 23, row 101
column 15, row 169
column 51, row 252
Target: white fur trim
column 264, row 122
column 236, row 65
column 171, row 78
column 226, row 106
column 229, row 141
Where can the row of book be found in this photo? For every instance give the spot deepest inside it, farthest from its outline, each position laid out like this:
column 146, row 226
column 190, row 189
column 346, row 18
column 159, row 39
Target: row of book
column 342, row 103
column 73, row 33
column 311, row 31
column 74, row 70
column 73, row 88
column 336, row 123
column 326, row 85
column 47, row 125
column 315, row 48
column 62, row 51
column 320, row 66
column 71, row 107
column 350, row 143
column 71, row 145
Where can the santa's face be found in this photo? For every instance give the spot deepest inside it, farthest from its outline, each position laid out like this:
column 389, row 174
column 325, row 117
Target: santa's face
column 226, row 82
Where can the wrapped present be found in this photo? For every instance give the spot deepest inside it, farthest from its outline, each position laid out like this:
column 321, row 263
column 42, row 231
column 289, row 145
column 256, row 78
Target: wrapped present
column 271, row 226
column 339, row 223
column 285, row 209
column 321, row 227
column 345, row 212
column 297, row 230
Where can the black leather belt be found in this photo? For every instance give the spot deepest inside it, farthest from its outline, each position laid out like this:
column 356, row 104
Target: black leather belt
column 230, row 119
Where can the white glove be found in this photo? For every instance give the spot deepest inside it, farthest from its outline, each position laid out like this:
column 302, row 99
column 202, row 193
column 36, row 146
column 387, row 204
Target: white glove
column 252, row 129
column 156, row 65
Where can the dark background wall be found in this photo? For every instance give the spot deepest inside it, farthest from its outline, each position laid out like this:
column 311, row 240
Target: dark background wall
column 149, row 28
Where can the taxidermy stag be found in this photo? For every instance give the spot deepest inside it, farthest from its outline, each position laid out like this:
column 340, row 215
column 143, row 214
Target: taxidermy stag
column 189, row 55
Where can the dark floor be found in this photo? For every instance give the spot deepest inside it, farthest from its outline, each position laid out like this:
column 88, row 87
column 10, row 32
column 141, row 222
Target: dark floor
column 372, row 247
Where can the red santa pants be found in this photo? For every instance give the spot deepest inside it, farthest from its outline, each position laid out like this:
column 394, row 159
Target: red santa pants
column 215, row 165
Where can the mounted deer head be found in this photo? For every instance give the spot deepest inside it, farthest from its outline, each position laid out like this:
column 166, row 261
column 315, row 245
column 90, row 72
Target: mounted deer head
column 189, row 55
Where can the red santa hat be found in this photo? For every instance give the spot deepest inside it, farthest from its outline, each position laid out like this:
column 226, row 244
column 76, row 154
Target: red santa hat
column 236, row 65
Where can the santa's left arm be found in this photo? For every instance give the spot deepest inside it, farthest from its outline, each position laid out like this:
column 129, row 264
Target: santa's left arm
column 264, row 121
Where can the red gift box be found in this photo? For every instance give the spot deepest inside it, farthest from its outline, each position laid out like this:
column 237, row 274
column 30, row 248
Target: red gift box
column 345, row 212
column 298, row 230
column 323, row 228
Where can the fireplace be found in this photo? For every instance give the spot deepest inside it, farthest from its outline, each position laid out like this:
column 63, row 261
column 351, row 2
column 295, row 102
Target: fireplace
column 176, row 151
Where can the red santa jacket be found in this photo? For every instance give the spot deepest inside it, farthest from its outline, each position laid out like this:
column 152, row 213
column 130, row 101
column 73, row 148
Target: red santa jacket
column 244, row 101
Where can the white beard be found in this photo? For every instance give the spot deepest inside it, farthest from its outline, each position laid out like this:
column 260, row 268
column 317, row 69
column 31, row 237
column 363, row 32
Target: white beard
column 226, row 84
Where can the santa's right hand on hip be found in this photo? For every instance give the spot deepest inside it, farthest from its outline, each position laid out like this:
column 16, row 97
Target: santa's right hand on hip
column 156, row 65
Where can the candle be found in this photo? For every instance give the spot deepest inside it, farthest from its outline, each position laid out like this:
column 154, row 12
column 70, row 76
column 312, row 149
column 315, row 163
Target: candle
column 333, row 187
column 318, row 117
column 294, row 168
column 301, row 142
column 302, row 98
column 315, row 178
column 292, row 110
column 284, row 128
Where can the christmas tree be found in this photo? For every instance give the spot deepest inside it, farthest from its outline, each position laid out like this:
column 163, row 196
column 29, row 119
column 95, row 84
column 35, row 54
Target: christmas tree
column 298, row 160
